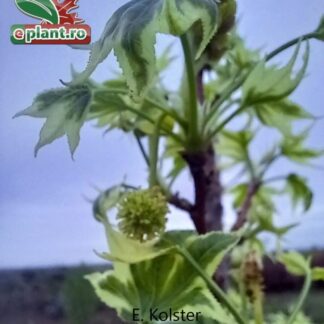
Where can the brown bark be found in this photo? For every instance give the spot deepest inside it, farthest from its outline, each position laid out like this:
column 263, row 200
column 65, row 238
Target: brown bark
column 180, row 203
column 207, row 210
column 243, row 211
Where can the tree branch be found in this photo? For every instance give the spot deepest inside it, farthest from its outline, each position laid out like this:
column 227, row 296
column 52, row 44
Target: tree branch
column 180, row 203
column 289, row 44
column 142, row 149
column 243, row 211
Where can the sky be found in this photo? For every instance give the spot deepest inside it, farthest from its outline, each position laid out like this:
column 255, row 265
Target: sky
column 44, row 216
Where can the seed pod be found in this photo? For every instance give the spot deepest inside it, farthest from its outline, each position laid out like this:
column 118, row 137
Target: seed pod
column 142, row 214
column 253, row 276
column 220, row 43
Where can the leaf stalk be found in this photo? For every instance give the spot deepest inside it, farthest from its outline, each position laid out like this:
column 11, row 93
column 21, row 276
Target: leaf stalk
column 302, row 298
column 192, row 109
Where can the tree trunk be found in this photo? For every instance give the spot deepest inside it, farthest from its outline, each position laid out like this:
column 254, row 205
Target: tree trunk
column 208, row 210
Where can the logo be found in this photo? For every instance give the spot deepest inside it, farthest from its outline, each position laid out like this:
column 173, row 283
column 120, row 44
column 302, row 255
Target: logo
column 59, row 23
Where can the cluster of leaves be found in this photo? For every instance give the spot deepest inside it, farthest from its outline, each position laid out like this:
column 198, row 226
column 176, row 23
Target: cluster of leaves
column 264, row 101
column 166, row 272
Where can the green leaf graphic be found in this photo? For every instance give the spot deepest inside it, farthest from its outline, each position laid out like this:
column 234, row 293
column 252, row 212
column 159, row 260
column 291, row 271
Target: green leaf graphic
column 42, row 9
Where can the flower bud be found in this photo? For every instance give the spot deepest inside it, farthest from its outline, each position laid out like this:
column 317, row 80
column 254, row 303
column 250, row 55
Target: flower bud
column 142, row 214
column 221, row 40
column 253, row 276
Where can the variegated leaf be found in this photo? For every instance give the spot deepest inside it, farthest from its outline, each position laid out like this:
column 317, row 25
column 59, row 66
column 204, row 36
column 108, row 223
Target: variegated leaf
column 167, row 281
column 131, row 33
column 65, row 110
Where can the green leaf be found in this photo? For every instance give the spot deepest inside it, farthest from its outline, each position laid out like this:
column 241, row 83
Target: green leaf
column 127, row 250
column 238, row 59
column 107, row 200
column 131, row 33
column 299, row 190
column 167, row 281
column 239, row 194
column 320, row 30
column 281, row 318
column 241, row 56
column 295, row 263
column 261, row 200
column 165, row 60
column 280, row 114
column 271, row 83
column 178, row 164
column 266, row 224
column 42, row 9
column 208, row 250
column 293, row 148
column 65, row 110
column 262, row 207
column 235, row 144
column 112, row 107
column 318, row 274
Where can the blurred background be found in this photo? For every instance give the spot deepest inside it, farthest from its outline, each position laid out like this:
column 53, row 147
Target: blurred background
column 46, row 224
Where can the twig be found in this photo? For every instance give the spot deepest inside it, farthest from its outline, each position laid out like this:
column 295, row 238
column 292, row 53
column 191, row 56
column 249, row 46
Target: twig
column 200, row 86
column 181, row 203
column 142, row 149
column 243, row 212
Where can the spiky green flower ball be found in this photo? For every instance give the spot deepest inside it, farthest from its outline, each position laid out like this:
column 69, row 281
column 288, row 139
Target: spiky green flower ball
column 142, row 214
